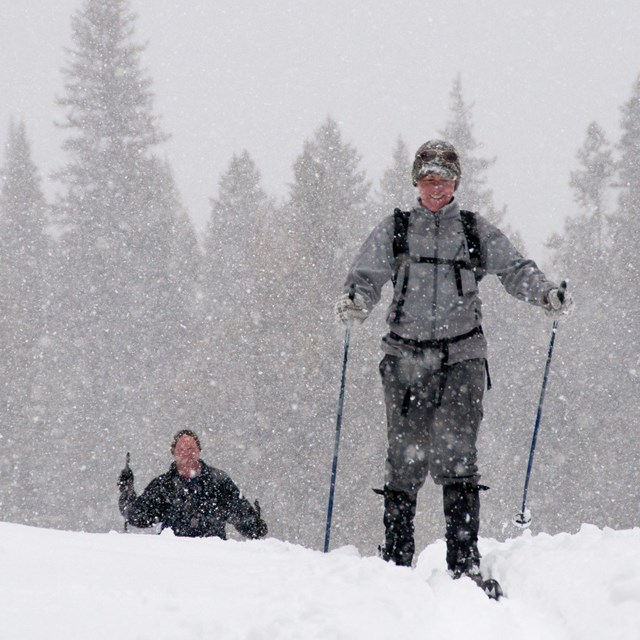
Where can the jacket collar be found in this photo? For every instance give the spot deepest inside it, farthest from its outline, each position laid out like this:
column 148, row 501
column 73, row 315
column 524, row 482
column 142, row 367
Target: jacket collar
column 450, row 210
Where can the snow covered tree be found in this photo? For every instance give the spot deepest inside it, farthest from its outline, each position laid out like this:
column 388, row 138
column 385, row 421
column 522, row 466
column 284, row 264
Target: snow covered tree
column 235, row 322
column 395, row 189
column 583, row 246
column 326, row 221
column 624, row 284
column 626, row 219
column 473, row 193
column 615, row 362
column 227, row 277
column 121, row 303
column 24, row 280
column 327, row 204
column 579, row 254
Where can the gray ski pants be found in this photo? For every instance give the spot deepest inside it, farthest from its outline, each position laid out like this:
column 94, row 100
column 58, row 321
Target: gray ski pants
column 433, row 419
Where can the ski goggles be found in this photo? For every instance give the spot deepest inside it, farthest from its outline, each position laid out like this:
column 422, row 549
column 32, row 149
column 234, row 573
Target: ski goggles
column 431, row 154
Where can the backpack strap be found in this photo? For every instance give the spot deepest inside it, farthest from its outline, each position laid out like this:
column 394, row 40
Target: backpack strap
column 401, row 256
column 400, row 233
column 470, row 228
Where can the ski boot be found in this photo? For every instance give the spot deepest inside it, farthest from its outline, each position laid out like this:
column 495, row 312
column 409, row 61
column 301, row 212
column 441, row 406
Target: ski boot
column 399, row 512
column 462, row 517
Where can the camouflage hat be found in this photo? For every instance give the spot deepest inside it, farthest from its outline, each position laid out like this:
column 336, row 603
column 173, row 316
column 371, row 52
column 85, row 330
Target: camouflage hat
column 439, row 158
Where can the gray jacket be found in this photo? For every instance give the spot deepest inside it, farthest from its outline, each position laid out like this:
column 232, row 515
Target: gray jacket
column 441, row 302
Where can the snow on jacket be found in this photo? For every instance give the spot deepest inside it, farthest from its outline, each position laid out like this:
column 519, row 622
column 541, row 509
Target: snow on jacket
column 194, row 507
column 439, row 303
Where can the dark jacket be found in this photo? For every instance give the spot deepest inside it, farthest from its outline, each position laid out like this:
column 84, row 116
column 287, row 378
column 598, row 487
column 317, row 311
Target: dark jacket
column 193, row 507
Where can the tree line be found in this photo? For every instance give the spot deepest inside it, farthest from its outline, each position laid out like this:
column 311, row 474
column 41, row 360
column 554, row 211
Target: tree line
column 119, row 326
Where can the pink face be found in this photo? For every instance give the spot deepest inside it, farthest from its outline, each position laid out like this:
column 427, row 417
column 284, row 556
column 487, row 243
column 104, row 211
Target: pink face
column 435, row 192
column 186, row 452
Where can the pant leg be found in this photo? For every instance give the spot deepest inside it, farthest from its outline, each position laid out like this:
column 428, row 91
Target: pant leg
column 399, row 513
column 455, row 426
column 409, row 390
column 461, row 502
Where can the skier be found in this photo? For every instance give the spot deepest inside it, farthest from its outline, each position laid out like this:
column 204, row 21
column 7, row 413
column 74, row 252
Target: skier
column 434, row 367
column 192, row 498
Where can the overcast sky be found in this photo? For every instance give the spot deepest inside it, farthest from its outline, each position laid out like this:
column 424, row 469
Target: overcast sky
column 262, row 75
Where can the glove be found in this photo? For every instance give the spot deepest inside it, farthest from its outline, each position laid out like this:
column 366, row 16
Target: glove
column 261, row 526
column 125, row 481
column 558, row 306
column 347, row 309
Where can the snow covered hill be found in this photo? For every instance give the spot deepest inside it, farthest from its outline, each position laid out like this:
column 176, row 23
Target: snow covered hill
column 61, row 585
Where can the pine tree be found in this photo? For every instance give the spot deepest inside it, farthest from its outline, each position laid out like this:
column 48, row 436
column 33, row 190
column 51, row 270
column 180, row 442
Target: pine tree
column 234, row 320
column 240, row 202
column 624, row 285
column 326, row 220
column 580, row 254
column 327, row 203
column 591, row 184
column 626, row 221
column 473, row 193
column 24, row 280
column 395, row 189
column 619, row 328
column 121, row 303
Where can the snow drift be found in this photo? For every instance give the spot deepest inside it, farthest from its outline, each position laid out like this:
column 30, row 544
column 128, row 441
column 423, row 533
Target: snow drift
column 63, row 585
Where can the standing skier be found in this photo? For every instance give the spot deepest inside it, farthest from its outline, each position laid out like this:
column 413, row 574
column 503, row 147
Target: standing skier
column 192, row 498
column 434, row 367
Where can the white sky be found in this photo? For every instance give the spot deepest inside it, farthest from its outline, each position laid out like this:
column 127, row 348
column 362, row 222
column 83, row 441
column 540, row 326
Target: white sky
column 263, row 75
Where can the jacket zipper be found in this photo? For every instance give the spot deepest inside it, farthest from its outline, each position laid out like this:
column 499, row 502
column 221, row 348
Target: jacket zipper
column 434, row 302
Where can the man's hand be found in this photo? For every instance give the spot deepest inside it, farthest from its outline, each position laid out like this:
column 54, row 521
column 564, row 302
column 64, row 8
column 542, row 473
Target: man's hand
column 125, row 481
column 261, row 526
column 350, row 308
column 559, row 303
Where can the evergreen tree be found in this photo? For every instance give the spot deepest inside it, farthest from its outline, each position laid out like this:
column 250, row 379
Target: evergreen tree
column 626, row 221
column 619, row 344
column 580, row 254
column 326, row 219
column 240, row 202
column 235, row 319
column 395, row 189
column 624, row 286
column 473, row 193
column 24, row 280
column 587, row 230
column 121, row 303
column 327, row 203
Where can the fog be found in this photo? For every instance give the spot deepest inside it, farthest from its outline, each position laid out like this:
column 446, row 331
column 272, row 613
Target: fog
column 263, row 76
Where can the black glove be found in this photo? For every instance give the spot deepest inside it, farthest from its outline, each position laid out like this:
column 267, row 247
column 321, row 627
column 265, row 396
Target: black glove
column 125, row 481
column 260, row 530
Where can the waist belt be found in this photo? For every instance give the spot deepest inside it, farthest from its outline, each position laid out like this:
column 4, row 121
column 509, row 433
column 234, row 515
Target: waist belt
column 441, row 344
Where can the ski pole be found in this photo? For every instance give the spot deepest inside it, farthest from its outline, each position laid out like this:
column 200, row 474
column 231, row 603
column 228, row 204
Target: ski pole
column 336, row 446
column 523, row 518
column 126, row 466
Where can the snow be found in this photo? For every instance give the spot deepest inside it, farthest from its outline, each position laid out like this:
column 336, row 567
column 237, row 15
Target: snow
column 67, row 585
